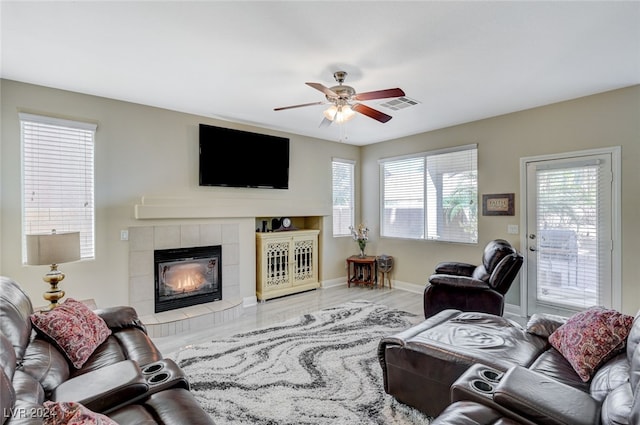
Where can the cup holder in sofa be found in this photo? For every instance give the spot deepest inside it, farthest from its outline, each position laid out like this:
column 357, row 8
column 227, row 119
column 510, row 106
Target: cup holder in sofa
column 164, row 374
column 152, row 368
column 477, row 384
column 482, row 386
column 491, row 375
column 158, row 378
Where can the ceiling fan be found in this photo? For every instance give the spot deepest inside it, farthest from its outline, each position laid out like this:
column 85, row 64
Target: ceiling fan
column 344, row 101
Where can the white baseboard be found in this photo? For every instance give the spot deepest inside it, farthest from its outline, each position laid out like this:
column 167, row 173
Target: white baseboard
column 249, row 301
column 514, row 310
column 416, row 289
column 333, row 282
column 406, row 286
column 395, row 284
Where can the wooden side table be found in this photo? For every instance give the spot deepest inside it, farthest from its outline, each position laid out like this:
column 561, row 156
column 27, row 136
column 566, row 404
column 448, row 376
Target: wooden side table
column 362, row 270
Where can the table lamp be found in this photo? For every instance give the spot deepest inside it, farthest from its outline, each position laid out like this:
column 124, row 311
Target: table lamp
column 53, row 248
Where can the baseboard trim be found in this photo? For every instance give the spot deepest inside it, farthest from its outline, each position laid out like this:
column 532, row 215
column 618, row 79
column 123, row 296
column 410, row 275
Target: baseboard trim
column 249, row 301
column 512, row 309
column 395, row 284
column 406, row 286
column 333, row 282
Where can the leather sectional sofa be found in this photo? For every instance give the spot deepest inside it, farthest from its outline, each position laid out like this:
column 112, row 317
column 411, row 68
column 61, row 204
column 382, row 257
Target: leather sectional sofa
column 124, row 379
column 477, row 368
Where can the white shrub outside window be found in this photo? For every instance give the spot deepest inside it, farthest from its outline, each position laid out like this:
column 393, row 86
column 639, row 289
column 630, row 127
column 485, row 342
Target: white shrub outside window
column 58, row 178
column 431, row 195
column 343, row 196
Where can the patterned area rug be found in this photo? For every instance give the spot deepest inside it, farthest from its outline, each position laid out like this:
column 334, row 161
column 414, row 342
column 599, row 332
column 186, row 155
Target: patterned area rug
column 320, row 368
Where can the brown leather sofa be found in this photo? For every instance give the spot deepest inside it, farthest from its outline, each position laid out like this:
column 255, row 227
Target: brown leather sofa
column 522, row 396
column 436, row 363
column 125, row 378
column 469, row 287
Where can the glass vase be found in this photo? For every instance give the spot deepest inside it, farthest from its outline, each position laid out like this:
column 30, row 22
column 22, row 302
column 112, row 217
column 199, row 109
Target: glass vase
column 362, row 244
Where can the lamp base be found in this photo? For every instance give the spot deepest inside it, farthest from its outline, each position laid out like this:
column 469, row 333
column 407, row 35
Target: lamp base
column 54, row 294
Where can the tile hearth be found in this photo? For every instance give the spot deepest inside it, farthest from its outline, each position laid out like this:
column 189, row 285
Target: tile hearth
column 191, row 319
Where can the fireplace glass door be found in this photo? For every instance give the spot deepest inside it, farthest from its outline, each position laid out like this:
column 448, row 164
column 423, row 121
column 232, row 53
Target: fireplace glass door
column 187, row 276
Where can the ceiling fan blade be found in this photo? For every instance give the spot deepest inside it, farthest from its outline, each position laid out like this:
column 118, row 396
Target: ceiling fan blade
column 325, row 123
column 326, row 90
column 371, row 113
column 298, row 106
column 379, row 94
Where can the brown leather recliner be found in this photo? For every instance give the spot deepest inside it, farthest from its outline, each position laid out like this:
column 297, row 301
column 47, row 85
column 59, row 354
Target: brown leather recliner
column 469, row 287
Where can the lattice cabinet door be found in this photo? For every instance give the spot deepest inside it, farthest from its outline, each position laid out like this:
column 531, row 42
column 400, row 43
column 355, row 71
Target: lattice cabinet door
column 287, row 262
column 304, row 265
column 274, row 263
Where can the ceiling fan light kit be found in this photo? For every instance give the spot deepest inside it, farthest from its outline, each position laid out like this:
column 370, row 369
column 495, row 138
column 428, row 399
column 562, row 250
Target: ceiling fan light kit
column 344, row 101
column 339, row 114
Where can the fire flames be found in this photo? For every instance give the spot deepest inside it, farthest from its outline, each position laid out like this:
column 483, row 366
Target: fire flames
column 185, row 277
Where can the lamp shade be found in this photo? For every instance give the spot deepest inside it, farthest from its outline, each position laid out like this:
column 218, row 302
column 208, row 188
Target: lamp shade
column 340, row 114
column 345, row 113
column 53, row 248
column 330, row 112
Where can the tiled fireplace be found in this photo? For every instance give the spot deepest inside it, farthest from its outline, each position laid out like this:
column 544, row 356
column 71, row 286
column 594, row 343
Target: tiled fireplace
column 144, row 244
column 186, row 276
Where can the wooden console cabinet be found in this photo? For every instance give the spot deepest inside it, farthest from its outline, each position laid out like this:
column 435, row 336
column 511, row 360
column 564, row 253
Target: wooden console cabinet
column 287, row 263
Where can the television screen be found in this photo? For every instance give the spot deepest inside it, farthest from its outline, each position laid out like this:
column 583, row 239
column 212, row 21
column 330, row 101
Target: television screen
column 236, row 158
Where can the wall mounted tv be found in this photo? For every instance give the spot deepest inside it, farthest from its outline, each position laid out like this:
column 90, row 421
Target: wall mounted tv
column 236, row 158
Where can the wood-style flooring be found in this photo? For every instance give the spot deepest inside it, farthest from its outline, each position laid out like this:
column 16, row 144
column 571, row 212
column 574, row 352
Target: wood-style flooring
column 278, row 310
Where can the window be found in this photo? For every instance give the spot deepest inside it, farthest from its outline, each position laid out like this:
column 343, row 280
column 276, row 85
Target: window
column 431, row 195
column 58, row 175
column 343, row 196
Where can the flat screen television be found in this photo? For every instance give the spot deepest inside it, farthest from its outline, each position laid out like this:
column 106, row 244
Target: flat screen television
column 236, row 158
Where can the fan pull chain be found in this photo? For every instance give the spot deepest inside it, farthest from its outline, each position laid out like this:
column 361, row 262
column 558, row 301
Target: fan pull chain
column 343, row 132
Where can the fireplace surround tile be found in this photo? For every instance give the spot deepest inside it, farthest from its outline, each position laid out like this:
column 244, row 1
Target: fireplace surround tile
column 190, row 235
column 230, row 234
column 141, row 291
column 143, row 240
column 166, row 237
column 140, row 263
column 211, row 234
column 232, row 273
column 140, row 238
column 231, row 254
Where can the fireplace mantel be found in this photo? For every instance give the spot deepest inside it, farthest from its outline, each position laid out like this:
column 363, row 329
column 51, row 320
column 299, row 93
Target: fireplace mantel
column 188, row 207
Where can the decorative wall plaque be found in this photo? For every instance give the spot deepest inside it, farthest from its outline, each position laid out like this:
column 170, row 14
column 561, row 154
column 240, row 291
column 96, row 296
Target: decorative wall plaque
column 498, row 204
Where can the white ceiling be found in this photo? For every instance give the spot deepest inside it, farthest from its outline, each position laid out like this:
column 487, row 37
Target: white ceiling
column 236, row 61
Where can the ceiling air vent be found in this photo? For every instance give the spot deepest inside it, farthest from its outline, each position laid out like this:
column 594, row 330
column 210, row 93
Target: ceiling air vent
column 399, row 103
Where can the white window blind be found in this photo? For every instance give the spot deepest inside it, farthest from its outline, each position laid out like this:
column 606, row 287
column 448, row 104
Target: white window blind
column 58, row 178
column 574, row 237
column 343, row 196
column 431, row 195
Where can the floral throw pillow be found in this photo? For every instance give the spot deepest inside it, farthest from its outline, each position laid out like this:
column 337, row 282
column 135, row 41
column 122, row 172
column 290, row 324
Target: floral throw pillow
column 591, row 337
column 72, row 413
column 73, row 328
